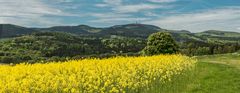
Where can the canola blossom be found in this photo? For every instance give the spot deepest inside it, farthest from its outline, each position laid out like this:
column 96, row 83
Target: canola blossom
column 112, row 75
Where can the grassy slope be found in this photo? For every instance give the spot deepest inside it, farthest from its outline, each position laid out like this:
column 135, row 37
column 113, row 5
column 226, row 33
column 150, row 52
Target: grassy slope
column 214, row 78
column 227, row 59
column 216, row 74
column 213, row 74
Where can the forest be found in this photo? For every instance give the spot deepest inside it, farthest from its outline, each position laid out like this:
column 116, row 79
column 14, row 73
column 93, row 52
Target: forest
column 50, row 45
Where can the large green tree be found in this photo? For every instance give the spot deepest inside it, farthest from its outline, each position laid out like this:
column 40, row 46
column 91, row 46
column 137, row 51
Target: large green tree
column 160, row 43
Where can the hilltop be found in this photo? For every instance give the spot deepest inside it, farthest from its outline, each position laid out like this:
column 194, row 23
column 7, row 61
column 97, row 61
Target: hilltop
column 127, row 30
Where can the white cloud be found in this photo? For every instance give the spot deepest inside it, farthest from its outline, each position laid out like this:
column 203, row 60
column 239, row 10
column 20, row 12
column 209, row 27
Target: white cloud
column 61, row 1
column 101, row 5
column 118, row 20
column 66, row 1
column 217, row 19
column 118, row 6
column 113, row 2
column 30, row 21
column 108, row 15
column 137, row 8
column 113, row 18
column 28, row 12
column 150, row 14
column 162, row 1
column 122, row 13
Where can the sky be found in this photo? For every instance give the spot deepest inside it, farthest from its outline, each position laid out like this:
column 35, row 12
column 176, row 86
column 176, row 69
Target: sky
column 192, row 15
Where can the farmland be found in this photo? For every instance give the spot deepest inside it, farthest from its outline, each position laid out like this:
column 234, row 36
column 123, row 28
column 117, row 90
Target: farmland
column 120, row 74
column 211, row 74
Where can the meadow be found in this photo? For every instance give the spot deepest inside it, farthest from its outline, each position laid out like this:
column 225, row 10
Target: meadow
column 112, row 75
column 218, row 73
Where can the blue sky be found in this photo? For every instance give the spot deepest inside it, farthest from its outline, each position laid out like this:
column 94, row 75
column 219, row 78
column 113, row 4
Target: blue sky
column 192, row 15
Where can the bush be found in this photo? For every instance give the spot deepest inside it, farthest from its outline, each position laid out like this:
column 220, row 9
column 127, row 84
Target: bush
column 160, row 43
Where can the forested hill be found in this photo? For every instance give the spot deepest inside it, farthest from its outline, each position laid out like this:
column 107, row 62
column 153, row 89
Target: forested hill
column 59, row 45
column 9, row 30
column 136, row 30
column 18, row 44
column 128, row 30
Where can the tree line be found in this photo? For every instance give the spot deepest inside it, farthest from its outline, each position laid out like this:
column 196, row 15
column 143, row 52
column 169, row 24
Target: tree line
column 60, row 46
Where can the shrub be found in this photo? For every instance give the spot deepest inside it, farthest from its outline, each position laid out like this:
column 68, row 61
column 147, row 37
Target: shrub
column 160, row 43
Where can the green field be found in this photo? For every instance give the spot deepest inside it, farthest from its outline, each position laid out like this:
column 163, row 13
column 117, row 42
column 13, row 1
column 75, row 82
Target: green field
column 213, row 74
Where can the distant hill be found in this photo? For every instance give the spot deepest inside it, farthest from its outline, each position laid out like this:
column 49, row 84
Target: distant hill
column 219, row 33
column 127, row 30
column 222, row 36
column 9, row 30
column 80, row 29
column 131, row 30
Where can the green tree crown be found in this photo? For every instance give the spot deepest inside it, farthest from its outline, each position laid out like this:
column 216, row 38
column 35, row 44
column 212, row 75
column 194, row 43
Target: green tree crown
column 160, row 43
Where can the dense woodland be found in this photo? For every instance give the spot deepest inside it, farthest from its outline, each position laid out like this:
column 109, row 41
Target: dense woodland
column 48, row 44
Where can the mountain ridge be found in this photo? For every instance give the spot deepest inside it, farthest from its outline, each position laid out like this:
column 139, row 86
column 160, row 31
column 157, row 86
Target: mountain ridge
column 130, row 30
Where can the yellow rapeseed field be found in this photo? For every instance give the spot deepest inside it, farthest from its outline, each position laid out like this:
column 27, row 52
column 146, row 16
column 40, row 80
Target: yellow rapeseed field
column 114, row 75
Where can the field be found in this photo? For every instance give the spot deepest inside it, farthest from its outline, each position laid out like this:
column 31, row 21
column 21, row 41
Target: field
column 212, row 74
column 120, row 74
column 156, row 74
column 231, row 59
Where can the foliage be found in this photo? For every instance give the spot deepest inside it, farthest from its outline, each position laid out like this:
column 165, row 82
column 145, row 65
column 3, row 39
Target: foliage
column 59, row 46
column 160, row 43
column 194, row 48
column 45, row 45
column 64, row 42
column 120, row 74
column 124, row 45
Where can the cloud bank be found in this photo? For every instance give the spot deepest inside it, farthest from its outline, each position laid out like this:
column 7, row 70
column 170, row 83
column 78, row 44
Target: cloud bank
column 28, row 12
column 169, row 14
column 227, row 18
